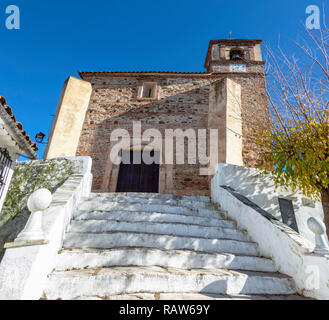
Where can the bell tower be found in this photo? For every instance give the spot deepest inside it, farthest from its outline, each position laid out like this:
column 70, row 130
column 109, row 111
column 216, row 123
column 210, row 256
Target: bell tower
column 237, row 97
column 234, row 56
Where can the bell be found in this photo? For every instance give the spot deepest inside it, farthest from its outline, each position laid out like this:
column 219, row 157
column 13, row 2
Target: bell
column 236, row 55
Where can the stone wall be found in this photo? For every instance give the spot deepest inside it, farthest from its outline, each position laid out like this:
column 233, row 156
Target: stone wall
column 65, row 131
column 183, row 103
column 254, row 113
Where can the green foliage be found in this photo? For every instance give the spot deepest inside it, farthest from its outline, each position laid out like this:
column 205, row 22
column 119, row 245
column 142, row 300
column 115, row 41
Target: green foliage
column 30, row 176
column 295, row 147
column 297, row 155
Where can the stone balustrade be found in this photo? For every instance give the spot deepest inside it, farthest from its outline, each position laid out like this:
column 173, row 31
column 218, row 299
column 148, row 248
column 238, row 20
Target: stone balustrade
column 38, row 202
column 319, row 230
column 31, row 257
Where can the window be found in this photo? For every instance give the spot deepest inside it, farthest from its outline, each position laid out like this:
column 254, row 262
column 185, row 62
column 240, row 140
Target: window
column 236, row 54
column 5, row 165
column 148, row 91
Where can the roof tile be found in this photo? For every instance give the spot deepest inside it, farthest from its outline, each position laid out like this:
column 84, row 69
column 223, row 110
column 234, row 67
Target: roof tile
column 3, row 102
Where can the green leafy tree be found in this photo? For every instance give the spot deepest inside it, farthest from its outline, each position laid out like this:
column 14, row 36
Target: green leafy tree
column 294, row 147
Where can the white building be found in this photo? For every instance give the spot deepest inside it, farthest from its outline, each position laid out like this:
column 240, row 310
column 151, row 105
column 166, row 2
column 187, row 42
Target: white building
column 14, row 142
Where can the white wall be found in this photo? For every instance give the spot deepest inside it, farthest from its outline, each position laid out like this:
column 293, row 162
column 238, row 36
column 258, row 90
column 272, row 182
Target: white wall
column 291, row 253
column 260, row 189
column 24, row 267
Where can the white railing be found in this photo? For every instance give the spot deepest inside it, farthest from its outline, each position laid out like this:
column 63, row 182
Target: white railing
column 305, row 260
column 32, row 256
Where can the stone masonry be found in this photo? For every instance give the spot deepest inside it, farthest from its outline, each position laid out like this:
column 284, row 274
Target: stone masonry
column 183, row 101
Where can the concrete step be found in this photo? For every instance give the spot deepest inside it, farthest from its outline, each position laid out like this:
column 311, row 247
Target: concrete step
column 198, row 296
column 158, row 241
column 95, row 205
column 181, row 259
column 190, row 203
column 152, row 217
column 174, row 229
column 125, row 280
column 114, row 195
column 191, row 296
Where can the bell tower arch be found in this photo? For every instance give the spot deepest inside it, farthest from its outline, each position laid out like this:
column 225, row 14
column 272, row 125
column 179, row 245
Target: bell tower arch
column 234, row 55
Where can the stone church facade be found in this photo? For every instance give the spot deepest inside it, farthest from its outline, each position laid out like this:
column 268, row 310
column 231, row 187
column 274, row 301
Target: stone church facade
column 229, row 96
column 150, row 230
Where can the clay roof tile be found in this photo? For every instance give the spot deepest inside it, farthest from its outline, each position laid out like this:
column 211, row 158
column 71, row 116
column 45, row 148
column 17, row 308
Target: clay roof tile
column 19, row 125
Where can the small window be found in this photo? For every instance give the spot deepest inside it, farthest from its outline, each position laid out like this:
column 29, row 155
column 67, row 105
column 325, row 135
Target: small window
column 5, row 165
column 236, row 54
column 148, row 90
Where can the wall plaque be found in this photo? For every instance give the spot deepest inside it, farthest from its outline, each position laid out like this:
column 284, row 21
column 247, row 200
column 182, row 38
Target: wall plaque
column 238, row 68
column 288, row 214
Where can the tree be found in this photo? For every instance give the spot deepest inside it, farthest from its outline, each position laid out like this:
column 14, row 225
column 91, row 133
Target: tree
column 294, row 148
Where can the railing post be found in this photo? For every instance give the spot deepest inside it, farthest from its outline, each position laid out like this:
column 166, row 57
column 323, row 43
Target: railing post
column 37, row 203
column 319, row 229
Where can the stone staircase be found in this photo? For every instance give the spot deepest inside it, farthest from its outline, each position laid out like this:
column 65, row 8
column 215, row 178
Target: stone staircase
column 151, row 246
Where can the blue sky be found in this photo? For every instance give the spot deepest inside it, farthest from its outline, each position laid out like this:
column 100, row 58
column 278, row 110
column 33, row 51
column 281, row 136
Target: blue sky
column 59, row 38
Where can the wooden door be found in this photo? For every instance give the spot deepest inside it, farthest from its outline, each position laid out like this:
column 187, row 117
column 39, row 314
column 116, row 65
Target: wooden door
column 139, row 177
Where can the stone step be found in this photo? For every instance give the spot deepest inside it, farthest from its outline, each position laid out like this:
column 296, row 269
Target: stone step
column 150, row 196
column 152, row 217
column 191, row 296
column 198, row 296
column 151, row 200
column 163, row 208
column 125, row 280
column 158, row 241
column 181, row 259
column 174, row 229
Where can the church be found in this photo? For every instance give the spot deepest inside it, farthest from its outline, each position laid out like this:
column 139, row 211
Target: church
column 229, row 97
column 156, row 195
